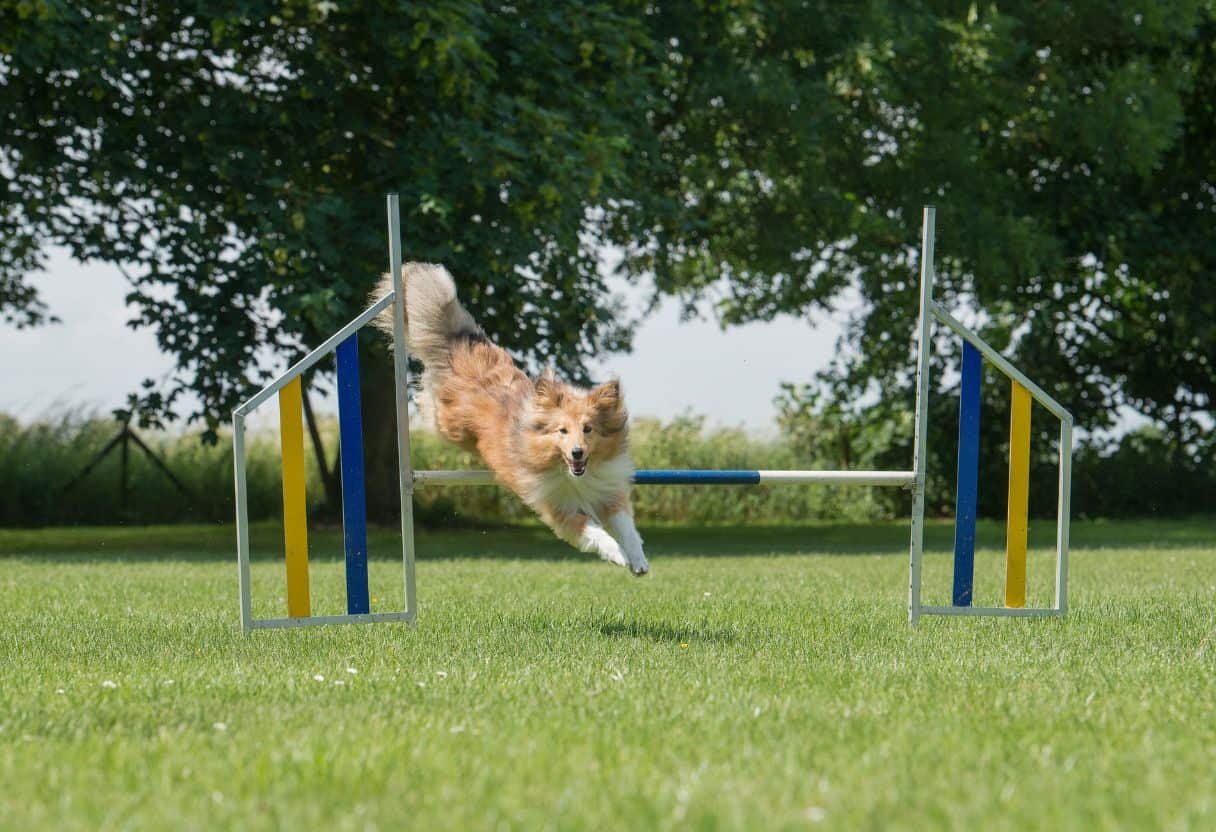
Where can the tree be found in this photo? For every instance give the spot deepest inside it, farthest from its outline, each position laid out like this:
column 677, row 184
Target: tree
column 235, row 161
column 758, row 158
column 1067, row 145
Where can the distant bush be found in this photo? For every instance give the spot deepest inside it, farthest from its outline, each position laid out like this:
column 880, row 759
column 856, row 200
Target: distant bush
column 38, row 460
column 1144, row 474
column 1139, row 476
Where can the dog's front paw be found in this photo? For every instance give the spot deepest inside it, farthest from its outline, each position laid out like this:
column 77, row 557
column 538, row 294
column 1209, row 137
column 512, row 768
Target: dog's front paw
column 638, row 566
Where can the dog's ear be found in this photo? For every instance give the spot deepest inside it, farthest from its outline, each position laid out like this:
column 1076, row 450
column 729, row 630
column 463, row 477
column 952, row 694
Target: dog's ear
column 549, row 393
column 609, row 405
column 606, row 396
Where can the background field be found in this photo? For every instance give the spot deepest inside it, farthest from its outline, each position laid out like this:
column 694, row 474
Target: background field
column 760, row 678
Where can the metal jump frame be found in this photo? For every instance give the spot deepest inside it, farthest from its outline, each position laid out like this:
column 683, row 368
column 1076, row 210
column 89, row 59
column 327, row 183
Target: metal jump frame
column 409, row 478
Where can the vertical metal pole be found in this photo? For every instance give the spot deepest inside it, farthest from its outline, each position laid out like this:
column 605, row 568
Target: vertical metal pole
column 922, row 415
column 1063, row 510
column 242, row 520
column 405, row 468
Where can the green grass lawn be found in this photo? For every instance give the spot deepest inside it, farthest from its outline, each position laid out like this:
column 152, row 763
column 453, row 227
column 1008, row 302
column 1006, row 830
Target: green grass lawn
column 759, row 678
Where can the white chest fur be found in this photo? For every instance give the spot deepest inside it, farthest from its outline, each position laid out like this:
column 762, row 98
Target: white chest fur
column 604, row 481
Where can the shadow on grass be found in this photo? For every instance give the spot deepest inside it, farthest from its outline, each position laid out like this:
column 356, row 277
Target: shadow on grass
column 534, row 543
column 665, row 633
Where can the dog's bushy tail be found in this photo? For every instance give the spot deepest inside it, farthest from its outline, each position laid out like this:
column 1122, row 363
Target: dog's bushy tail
column 434, row 316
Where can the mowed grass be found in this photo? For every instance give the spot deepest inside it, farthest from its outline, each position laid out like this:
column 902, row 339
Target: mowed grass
column 759, row 678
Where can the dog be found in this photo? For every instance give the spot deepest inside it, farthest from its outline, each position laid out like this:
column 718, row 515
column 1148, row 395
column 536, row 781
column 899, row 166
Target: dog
column 563, row 449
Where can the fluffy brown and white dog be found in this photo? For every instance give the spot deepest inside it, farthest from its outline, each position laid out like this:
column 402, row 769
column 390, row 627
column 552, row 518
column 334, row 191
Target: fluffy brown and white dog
column 563, row 449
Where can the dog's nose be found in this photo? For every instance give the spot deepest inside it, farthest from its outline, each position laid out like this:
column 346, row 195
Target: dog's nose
column 576, row 454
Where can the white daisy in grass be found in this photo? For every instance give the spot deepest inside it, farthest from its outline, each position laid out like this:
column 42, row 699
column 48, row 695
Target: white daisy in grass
column 442, row 674
column 60, row 691
column 421, row 684
column 339, row 682
column 109, row 684
column 318, row 678
column 352, row 671
column 814, row 814
column 220, row 726
column 167, row 682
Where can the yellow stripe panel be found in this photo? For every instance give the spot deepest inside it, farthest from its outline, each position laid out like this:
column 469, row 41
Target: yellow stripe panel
column 295, row 515
column 1019, row 497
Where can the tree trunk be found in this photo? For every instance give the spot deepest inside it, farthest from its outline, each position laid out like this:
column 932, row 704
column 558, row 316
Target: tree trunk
column 379, row 429
column 330, row 478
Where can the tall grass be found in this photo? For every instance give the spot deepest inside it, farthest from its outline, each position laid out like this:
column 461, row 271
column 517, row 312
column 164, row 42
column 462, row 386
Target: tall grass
column 38, row 460
column 1135, row 477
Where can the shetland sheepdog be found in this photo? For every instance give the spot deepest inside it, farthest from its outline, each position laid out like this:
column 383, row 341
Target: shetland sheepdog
column 563, row 449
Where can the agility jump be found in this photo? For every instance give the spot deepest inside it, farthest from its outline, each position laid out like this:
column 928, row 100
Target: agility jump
column 344, row 343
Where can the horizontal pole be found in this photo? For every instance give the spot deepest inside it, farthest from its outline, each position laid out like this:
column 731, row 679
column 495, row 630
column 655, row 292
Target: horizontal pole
column 891, row 478
column 1000, row 362
column 330, row 344
column 702, row 477
column 323, row 620
column 1000, row 612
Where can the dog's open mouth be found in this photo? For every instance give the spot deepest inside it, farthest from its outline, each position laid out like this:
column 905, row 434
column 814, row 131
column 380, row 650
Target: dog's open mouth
column 578, row 467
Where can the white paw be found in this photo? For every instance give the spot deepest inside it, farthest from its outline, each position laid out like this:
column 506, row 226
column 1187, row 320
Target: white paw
column 596, row 540
column 614, row 554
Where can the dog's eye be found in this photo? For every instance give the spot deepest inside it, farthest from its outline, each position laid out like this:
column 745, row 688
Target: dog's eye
column 562, row 430
column 586, row 428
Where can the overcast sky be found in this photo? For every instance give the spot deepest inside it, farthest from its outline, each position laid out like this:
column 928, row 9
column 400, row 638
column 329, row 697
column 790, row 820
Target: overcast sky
column 93, row 359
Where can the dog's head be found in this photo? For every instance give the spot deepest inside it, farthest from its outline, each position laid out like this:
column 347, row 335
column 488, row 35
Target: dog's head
column 577, row 427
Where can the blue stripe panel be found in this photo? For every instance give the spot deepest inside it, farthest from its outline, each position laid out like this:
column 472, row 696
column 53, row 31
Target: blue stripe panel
column 354, row 497
column 662, row 477
column 968, row 475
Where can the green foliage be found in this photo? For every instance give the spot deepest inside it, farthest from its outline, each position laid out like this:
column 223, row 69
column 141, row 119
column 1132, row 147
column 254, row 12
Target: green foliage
column 766, row 157
column 233, row 160
column 1143, row 474
column 1066, row 144
column 38, row 460
column 1139, row 476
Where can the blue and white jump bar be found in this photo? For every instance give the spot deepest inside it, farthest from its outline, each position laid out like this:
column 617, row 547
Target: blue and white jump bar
column 644, row 476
